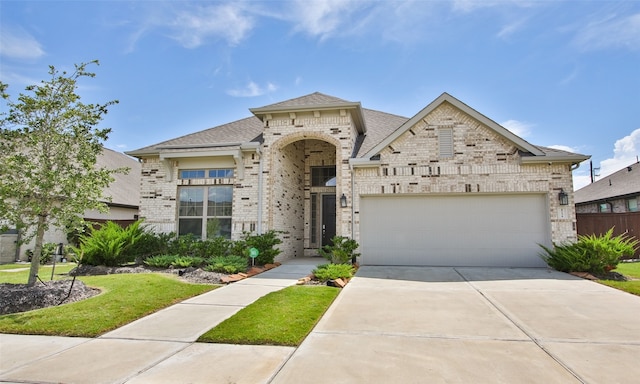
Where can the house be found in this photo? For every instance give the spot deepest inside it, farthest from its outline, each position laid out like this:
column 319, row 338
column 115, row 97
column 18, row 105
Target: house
column 611, row 202
column 446, row 187
column 124, row 194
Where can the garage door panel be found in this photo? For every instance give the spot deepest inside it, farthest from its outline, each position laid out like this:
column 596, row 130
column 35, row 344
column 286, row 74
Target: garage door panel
column 481, row 230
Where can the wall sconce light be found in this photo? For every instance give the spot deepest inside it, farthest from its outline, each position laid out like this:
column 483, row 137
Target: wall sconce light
column 343, row 201
column 563, row 197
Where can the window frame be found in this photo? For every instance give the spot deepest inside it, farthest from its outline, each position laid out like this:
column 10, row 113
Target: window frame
column 206, row 173
column 207, row 212
column 325, row 176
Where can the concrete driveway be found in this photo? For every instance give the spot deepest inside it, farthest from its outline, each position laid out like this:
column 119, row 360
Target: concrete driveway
column 471, row 325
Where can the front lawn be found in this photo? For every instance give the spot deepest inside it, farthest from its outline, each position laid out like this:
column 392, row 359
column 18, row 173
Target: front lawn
column 283, row 317
column 124, row 298
column 631, row 270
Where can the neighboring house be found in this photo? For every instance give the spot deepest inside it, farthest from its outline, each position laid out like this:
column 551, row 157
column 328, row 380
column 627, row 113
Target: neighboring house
column 611, row 202
column 124, row 192
column 446, row 187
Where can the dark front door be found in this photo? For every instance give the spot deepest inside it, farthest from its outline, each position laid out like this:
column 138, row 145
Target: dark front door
column 328, row 218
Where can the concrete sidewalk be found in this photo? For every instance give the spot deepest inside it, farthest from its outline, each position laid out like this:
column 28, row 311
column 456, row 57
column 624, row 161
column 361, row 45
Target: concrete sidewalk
column 159, row 348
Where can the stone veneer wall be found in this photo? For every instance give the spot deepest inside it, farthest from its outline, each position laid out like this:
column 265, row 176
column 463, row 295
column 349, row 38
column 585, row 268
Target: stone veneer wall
column 483, row 163
column 157, row 196
column 307, row 128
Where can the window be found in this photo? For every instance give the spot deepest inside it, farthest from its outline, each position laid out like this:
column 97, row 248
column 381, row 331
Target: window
column 211, row 173
column 205, row 218
column 632, row 205
column 192, row 174
column 445, row 142
column 604, row 208
column 220, row 173
column 323, row 176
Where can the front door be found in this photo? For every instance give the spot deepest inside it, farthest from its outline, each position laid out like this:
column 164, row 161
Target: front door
column 328, row 218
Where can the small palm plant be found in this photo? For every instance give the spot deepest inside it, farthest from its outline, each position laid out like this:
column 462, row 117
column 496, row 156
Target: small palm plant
column 342, row 250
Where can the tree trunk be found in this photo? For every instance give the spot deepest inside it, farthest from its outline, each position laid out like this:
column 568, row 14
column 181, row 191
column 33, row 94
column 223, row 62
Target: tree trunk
column 37, row 252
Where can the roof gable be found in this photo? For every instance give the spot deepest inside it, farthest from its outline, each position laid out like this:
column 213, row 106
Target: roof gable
column 446, row 98
column 314, row 102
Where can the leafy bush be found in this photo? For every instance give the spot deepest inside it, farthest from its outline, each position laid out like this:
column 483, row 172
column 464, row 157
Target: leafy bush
column 151, row 244
column 110, row 244
column 592, row 253
column 187, row 261
column 46, row 255
column 185, row 245
column 265, row 244
column 333, row 271
column 341, row 252
column 160, row 261
column 226, row 264
column 218, row 246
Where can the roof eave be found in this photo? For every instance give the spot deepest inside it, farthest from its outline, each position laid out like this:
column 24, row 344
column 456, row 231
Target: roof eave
column 573, row 159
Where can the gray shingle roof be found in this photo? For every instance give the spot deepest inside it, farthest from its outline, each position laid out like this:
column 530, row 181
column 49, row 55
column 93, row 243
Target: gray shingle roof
column 240, row 131
column 625, row 182
column 380, row 126
column 125, row 189
column 315, row 98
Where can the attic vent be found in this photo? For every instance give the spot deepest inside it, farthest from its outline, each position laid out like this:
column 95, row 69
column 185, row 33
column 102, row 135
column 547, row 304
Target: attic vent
column 445, row 142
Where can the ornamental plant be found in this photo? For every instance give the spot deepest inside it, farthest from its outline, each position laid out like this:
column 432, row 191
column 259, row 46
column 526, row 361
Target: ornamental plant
column 341, row 251
column 595, row 254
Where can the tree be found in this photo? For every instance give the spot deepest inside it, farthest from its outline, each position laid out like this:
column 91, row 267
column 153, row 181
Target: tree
column 49, row 144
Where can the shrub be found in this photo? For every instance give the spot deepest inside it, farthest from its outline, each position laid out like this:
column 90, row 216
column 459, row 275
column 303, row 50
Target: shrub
column 160, row 261
column 151, row 244
column 265, row 244
column 342, row 250
column 46, row 255
column 592, row 253
column 185, row 245
column 110, row 244
column 326, row 272
column 218, row 246
column 226, row 264
column 187, row 261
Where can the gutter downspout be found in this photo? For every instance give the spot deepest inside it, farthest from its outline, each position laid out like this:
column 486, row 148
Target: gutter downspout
column 260, row 182
column 353, row 225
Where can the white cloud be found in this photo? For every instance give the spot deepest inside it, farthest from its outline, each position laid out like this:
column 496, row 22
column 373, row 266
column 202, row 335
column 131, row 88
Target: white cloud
column 193, row 27
column 324, row 18
column 519, row 128
column 252, row 89
column 18, row 44
column 625, row 151
column 611, row 31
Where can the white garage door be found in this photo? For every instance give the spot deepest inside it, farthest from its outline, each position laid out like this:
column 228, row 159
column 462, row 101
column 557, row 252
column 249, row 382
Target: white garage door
column 479, row 230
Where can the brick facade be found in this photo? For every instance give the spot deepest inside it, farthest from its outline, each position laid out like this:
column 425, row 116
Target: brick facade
column 272, row 182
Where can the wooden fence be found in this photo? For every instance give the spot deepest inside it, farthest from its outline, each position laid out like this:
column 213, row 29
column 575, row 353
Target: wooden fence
column 599, row 223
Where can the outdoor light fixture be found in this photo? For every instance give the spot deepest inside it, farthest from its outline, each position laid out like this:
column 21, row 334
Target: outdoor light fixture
column 563, row 197
column 343, row 201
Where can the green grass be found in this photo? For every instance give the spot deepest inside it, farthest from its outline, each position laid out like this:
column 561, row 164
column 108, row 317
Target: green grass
column 283, row 317
column 9, row 275
column 124, row 298
column 630, row 270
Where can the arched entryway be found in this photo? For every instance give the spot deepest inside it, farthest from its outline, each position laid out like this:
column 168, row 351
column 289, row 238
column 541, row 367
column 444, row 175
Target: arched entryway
column 306, row 180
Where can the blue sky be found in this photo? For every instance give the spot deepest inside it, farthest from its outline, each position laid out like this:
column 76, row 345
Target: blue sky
column 558, row 73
